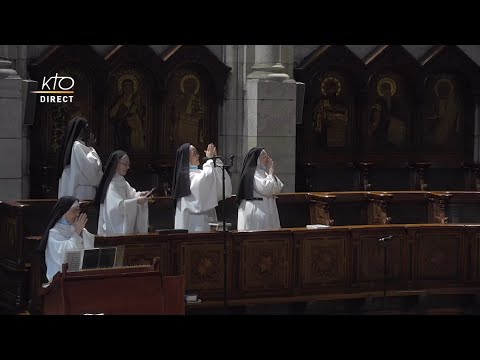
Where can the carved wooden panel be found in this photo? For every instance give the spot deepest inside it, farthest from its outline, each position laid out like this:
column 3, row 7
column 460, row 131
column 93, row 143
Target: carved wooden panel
column 202, row 263
column 265, row 263
column 370, row 256
column 324, row 260
column 436, row 208
column 378, row 212
column 143, row 254
column 438, row 255
column 320, row 210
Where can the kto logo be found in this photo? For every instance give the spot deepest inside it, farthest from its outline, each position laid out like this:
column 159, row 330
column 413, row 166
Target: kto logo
column 56, row 85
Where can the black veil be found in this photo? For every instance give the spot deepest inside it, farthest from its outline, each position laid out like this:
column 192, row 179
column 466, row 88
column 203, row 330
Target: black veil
column 108, row 174
column 245, row 188
column 181, row 173
column 72, row 133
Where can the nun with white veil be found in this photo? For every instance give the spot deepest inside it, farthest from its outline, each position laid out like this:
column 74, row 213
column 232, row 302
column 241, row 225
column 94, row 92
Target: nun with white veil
column 65, row 231
column 257, row 207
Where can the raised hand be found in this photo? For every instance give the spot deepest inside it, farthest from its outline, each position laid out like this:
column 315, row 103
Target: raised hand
column 80, row 223
column 211, row 151
column 270, row 166
column 92, row 139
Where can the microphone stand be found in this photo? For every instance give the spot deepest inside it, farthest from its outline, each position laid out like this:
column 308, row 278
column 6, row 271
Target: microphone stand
column 225, row 263
column 383, row 242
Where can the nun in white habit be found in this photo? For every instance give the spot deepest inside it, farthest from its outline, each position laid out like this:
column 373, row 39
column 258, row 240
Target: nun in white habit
column 65, row 231
column 257, row 207
column 79, row 167
column 196, row 192
column 123, row 210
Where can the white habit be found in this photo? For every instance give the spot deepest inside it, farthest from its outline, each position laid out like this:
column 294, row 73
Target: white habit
column 120, row 213
column 82, row 176
column 196, row 210
column 261, row 214
column 62, row 237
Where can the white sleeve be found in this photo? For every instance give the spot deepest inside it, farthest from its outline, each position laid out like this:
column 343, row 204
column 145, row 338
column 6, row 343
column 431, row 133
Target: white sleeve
column 121, row 213
column 58, row 244
column 141, row 216
column 86, row 165
column 205, row 185
column 267, row 186
column 88, row 239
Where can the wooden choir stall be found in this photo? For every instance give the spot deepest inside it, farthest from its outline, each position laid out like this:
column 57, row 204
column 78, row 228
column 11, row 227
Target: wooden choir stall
column 139, row 290
column 434, row 251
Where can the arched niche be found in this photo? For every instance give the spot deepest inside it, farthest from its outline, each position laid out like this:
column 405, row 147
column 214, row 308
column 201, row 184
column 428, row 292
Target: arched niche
column 194, row 79
column 389, row 105
column 131, row 118
column 448, row 86
column 333, row 78
column 132, row 109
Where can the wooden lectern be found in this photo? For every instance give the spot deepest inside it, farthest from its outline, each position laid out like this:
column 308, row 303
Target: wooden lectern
column 135, row 290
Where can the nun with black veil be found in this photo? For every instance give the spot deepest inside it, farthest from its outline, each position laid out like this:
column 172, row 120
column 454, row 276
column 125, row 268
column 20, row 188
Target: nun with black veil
column 123, row 210
column 196, row 192
column 79, row 168
column 257, row 207
column 65, row 231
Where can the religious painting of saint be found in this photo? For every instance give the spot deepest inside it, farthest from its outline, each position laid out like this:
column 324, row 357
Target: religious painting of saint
column 443, row 114
column 187, row 113
column 330, row 114
column 127, row 114
column 387, row 128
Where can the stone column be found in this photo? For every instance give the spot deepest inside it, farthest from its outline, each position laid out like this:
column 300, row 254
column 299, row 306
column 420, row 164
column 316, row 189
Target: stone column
column 268, row 63
column 11, row 124
column 14, row 139
column 231, row 112
column 270, row 112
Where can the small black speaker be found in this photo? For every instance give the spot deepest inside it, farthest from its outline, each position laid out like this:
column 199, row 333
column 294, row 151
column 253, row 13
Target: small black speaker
column 29, row 101
column 300, row 100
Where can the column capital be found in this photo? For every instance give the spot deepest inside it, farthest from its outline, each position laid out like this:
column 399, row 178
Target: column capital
column 268, row 64
column 6, row 70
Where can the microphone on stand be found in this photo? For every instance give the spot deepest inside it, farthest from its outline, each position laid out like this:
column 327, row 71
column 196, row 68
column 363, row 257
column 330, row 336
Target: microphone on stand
column 385, row 238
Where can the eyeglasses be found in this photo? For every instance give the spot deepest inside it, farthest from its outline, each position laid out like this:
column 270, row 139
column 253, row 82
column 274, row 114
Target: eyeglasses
column 126, row 164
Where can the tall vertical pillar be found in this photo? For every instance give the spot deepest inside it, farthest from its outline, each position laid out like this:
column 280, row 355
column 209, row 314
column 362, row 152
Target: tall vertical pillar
column 14, row 140
column 11, row 123
column 271, row 103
